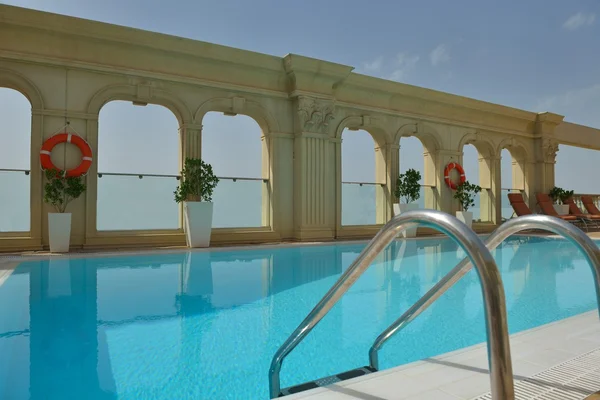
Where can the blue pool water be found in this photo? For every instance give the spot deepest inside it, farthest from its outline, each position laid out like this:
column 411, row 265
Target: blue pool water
column 205, row 325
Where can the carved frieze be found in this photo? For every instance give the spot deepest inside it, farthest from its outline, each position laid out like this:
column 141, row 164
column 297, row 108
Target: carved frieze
column 315, row 115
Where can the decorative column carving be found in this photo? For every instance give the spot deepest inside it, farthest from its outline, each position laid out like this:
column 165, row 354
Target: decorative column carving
column 545, row 149
column 314, row 115
column 314, row 170
column 544, row 164
column 550, row 150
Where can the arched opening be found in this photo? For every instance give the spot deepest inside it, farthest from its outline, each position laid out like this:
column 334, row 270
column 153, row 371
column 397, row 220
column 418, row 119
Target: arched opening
column 138, row 166
column 361, row 190
column 477, row 163
column 235, row 147
column 512, row 178
column 413, row 155
column 15, row 162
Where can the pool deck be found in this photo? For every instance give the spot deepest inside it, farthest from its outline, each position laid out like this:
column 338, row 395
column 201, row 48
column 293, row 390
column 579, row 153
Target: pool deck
column 464, row 374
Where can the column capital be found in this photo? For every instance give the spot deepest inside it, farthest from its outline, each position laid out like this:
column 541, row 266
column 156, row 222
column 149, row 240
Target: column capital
column 282, row 135
column 191, row 127
column 388, row 146
column 71, row 115
column 549, row 150
column 314, row 115
column 320, row 136
column 490, row 157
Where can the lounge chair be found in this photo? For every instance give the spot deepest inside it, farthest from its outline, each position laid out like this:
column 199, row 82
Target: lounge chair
column 518, row 204
column 547, row 207
column 589, row 205
column 576, row 211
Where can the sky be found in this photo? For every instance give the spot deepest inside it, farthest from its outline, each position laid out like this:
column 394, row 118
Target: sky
column 534, row 55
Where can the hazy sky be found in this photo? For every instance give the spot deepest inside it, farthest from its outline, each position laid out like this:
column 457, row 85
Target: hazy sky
column 536, row 55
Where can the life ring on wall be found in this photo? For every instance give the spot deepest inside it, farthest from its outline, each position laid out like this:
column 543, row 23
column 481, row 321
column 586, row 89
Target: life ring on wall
column 84, row 147
column 459, row 169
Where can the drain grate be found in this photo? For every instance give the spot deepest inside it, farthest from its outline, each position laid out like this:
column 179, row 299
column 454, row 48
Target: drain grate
column 575, row 379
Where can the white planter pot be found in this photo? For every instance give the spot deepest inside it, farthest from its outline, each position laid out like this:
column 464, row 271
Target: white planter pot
column 59, row 232
column 198, row 223
column 562, row 209
column 465, row 217
column 401, row 208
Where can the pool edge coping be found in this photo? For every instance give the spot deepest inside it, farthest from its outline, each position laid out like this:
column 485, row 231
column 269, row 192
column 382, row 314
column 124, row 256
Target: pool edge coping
column 318, row 392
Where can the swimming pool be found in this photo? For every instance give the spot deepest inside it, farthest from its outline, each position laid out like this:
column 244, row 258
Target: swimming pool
column 205, row 325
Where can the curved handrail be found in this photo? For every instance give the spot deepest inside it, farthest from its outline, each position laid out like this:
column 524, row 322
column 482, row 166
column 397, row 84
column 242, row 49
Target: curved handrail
column 542, row 222
column 491, row 283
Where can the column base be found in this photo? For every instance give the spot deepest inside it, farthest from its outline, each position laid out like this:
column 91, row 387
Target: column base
column 314, row 234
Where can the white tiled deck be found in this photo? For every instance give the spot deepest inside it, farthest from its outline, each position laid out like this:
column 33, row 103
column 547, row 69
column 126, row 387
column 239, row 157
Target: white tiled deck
column 464, row 374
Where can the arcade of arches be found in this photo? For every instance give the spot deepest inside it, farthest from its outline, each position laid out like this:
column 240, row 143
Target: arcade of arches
column 301, row 106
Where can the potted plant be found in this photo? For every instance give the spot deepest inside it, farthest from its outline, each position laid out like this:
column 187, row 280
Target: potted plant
column 408, row 189
column 59, row 191
column 566, row 195
column 195, row 192
column 465, row 194
column 559, row 196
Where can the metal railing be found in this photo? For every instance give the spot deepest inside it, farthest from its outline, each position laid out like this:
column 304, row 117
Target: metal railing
column 542, row 222
column 492, row 288
column 178, row 177
column 363, row 183
column 25, row 171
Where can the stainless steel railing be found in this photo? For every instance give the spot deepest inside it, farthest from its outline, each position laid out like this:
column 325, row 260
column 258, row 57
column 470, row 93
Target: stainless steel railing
column 491, row 282
column 542, row 222
column 141, row 176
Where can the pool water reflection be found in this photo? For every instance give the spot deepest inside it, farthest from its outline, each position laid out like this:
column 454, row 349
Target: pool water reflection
column 205, row 325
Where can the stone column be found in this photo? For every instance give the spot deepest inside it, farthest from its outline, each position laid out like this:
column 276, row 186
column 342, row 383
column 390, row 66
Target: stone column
column 278, row 167
column 36, row 178
column 445, row 200
column 389, row 156
column 543, row 168
column 529, row 184
column 191, row 142
column 91, row 192
column 541, row 178
column 314, row 171
column 495, row 201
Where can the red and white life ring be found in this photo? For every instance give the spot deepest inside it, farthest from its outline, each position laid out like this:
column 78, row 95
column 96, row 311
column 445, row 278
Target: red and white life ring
column 452, row 185
column 86, row 153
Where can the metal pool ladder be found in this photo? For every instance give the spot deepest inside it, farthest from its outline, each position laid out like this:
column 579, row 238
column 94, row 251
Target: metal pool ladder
column 497, row 335
column 493, row 296
column 515, row 225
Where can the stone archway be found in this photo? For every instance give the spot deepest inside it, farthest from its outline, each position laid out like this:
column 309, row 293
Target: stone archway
column 381, row 184
column 431, row 142
column 488, row 172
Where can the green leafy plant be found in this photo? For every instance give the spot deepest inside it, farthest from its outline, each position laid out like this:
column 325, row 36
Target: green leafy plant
column 465, row 194
column 556, row 193
column 408, row 187
column 60, row 190
column 197, row 181
column 560, row 195
column 566, row 195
